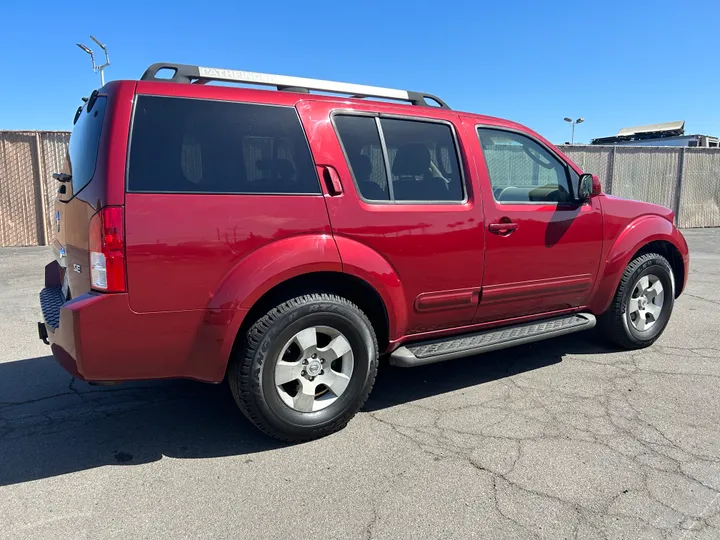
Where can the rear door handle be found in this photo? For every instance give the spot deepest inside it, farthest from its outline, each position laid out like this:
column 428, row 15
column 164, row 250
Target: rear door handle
column 507, row 227
column 332, row 180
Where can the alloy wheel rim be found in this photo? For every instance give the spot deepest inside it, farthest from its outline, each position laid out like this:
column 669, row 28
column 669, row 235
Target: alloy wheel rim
column 646, row 303
column 314, row 368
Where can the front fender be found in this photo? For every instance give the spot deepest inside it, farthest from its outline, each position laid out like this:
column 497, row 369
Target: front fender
column 250, row 278
column 638, row 233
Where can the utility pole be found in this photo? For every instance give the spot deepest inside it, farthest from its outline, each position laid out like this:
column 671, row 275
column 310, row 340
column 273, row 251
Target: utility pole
column 573, row 122
column 97, row 68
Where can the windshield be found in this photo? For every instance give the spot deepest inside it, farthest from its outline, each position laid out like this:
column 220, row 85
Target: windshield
column 84, row 143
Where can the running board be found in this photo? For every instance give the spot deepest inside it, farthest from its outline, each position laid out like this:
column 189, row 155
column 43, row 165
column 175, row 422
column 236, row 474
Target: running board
column 439, row 350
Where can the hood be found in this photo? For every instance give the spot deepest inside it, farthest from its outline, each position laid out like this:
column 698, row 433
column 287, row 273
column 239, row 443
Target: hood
column 630, row 209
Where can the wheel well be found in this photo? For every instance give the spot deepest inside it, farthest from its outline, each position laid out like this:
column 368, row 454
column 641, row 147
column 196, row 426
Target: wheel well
column 359, row 292
column 672, row 254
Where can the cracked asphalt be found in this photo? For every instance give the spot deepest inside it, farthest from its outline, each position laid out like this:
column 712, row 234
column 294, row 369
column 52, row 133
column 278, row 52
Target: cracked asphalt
column 563, row 439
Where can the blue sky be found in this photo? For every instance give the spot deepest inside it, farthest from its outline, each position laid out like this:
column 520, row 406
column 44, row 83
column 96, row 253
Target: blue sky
column 615, row 63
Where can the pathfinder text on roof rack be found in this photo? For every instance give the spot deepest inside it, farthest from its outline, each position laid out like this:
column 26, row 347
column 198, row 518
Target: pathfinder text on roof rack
column 183, row 73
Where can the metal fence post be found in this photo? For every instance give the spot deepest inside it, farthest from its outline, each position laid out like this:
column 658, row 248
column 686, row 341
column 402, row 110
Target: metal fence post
column 40, row 179
column 612, row 171
column 678, row 187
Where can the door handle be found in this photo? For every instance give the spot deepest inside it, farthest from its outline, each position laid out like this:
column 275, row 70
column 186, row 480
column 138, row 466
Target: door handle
column 332, row 180
column 503, row 227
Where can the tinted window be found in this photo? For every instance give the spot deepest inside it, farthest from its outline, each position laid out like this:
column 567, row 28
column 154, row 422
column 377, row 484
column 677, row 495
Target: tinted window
column 187, row 145
column 423, row 161
column 521, row 170
column 84, row 142
column 360, row 138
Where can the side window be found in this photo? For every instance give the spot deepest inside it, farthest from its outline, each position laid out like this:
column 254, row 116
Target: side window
column 423, row 160
column 422, row 157
column 360, row 138
column 197, row 146
column 521, row 170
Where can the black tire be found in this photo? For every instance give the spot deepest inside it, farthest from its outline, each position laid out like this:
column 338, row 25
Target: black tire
column 615, row 324
column 251, row 374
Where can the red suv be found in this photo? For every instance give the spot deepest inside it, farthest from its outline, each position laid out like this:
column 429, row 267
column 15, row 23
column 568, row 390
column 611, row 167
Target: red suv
column 286, row 240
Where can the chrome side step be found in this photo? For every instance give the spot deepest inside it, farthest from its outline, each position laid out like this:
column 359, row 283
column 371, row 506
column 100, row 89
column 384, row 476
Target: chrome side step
column 439, row 350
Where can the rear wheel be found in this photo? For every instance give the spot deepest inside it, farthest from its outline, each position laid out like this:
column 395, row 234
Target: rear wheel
column 305, row 368
column 642, row 304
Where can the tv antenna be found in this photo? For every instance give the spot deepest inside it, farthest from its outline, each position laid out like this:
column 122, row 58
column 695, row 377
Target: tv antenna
column 97, row 68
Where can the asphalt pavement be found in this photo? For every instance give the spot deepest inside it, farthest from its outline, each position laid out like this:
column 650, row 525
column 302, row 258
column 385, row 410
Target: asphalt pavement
column 562, row 439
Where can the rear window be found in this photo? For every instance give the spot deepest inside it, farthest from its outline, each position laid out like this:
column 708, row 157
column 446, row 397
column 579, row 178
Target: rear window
column 183, row 145
column 84, row 142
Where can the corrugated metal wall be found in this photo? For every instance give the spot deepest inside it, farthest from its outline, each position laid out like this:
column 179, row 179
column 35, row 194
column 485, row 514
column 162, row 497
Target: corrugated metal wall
column 684, row 179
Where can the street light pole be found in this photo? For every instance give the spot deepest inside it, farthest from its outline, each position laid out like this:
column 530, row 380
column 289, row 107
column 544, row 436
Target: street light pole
column 572, row 123
column 97, row 69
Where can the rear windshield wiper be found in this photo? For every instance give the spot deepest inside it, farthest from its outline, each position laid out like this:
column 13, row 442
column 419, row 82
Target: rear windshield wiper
column 62, row 177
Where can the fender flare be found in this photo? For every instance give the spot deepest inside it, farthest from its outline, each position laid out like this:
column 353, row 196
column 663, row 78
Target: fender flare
column 261, row 270
column 363, row 262
column 251, row 277
column 640, row 232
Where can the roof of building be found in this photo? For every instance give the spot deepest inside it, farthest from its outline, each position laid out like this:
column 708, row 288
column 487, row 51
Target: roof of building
column 650, row 131
column 663, row 129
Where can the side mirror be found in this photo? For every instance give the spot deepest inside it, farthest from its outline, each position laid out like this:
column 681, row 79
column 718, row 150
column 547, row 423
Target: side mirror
column 589, row 186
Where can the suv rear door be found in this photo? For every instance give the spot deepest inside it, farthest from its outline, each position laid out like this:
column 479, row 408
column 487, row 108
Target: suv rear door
column 405, row 184
column 75, row 207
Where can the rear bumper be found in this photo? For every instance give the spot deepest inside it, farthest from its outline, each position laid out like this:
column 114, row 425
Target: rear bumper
column 65, row 326
column 98, row 337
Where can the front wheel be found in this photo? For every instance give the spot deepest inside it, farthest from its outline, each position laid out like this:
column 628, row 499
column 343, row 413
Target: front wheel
column 642, row 304
column 305, row 368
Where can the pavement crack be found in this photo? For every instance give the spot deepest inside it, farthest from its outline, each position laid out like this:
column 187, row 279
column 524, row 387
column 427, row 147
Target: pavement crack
column 496, row 502
column 700, row 518
column 71, row 387
column 371, row 526
column 8, row 405
column 702, row 298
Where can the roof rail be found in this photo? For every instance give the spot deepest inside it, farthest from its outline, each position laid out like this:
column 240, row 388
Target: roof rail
column 182, row 73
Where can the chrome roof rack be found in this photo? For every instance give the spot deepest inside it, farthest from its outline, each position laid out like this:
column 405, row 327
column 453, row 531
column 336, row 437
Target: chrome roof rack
column 182, row 73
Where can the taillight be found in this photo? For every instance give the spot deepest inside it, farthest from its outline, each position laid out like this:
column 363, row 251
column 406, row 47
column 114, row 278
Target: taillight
column 107, row 250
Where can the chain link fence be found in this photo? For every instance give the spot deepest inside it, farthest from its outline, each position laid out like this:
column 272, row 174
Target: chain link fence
column 687, row 180
column 699, row 201
column 684, row 179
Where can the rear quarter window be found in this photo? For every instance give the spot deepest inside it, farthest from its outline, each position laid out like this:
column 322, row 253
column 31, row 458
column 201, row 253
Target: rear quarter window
column 84, row 142
column 181, row 145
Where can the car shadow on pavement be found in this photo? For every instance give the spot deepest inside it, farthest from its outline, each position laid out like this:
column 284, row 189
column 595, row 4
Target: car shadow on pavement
column 52, row 424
